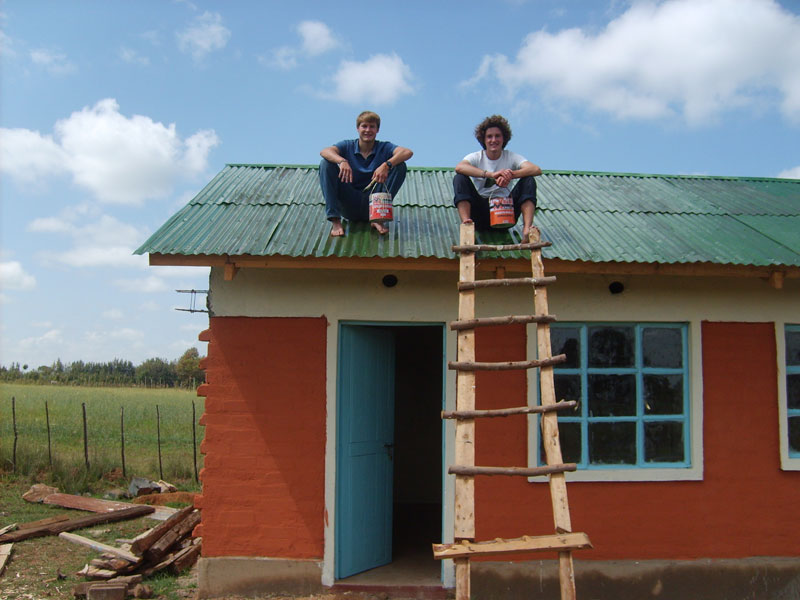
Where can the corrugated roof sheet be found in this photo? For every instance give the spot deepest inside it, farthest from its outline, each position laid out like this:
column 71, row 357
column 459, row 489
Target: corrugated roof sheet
column 278, row 210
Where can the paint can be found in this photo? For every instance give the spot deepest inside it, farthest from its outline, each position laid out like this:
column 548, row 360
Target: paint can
column 501, row 212
column 380, row 206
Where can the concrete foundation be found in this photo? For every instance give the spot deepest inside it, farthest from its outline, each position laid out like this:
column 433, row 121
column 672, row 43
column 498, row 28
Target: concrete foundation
column 740, row 579
column 249, row 576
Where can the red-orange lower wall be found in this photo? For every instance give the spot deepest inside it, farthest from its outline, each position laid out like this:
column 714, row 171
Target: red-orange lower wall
column 263, row 481
column 264, row 472
column 744, row 506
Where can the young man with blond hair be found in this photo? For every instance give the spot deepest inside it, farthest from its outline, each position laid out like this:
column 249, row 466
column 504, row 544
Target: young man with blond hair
column 487, row 174
column 347, row 168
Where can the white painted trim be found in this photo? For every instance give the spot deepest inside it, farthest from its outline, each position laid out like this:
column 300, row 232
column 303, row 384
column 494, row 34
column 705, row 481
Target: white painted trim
column 787, row 463
column 693, row 473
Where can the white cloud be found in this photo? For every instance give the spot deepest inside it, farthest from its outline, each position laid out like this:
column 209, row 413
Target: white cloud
column 46, row 340
column 381, row 79
column 317, row 38
column 147, row 285
column 131, row 56
column 104, row 242
column 126, row 334
column 121, row 160
column 29, row 155
column 793, row 173
column 283, row 58
column 693, row 58
column 14, row 277
column 206, row 34
column 54, row 62
column 114, row 314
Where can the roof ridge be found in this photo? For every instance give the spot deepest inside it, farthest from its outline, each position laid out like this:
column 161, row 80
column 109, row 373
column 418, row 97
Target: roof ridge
column 558, row 172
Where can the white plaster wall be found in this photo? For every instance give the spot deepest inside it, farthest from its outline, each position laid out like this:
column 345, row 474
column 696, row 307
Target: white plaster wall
column 432, row 297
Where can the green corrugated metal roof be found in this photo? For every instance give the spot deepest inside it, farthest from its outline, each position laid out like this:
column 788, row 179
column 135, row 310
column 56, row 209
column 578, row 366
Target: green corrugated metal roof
column 278, row 210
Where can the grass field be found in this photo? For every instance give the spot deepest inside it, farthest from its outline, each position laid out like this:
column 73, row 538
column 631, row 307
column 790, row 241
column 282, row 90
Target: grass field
column 109, row 412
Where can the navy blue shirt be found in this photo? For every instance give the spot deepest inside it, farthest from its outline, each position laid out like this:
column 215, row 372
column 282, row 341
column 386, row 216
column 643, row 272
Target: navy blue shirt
column 363, row 168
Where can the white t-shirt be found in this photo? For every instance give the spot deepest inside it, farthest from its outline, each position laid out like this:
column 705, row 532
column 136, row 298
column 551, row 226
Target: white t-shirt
column 507, row 160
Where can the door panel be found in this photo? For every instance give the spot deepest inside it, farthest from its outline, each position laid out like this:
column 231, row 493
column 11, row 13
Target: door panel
column 364, row 450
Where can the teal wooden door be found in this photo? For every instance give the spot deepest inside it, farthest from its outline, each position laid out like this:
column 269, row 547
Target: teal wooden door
column 365, row 432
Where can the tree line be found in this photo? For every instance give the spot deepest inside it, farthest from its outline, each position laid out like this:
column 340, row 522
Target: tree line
column 153, row 372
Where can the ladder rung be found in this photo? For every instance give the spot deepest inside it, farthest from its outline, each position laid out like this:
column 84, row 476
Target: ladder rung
column 483, row 283
column 512, row 471
column 506, row 366
column 540, row 543
column 500, row 248
column 509, row 320
column 505, row 412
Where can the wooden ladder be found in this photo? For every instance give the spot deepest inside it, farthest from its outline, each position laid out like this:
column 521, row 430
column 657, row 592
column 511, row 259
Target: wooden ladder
column 465, row 546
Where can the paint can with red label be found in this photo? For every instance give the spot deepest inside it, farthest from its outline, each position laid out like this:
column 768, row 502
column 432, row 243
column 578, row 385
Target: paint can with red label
column 380, row 206
column 501, row 212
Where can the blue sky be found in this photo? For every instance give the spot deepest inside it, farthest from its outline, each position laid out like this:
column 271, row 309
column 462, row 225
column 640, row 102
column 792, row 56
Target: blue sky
column 114, row 114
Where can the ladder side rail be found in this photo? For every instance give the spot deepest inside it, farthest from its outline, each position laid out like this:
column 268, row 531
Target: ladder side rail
column 549, row 428
column 464, row 517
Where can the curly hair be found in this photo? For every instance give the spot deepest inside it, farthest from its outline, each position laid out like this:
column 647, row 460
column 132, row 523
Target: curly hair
column 493, row 121
column 369, row 116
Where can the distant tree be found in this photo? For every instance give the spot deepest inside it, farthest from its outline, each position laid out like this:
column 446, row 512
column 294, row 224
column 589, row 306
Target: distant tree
column 188, row 368
column 156, row 370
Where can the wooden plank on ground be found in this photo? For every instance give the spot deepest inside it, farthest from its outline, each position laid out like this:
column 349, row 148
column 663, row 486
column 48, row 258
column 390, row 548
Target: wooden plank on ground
column 5, row 555
column 72, row 524
column 141, row 544
column 540, row 543
column 99, row 546
column 43, row 522
column 97, row 505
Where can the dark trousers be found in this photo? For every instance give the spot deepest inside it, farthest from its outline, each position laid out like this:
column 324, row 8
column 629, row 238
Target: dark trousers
column 346, row 199
column 524, row 190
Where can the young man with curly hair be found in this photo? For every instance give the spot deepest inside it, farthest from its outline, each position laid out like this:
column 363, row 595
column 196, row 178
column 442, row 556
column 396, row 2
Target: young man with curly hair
column 348, row 167
column 488, row 173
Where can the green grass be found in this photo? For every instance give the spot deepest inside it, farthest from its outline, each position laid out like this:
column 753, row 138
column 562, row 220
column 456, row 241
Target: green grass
column 64, row 463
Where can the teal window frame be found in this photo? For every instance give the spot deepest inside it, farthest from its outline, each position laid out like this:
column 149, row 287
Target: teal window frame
column 792, row 368
column 640, row 418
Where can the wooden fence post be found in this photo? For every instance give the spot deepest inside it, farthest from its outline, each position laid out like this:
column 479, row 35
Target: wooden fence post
column 194, row 441
column 158, row 435
column 85, row 437
column 14, row 422
column 122, row 437
column 49, row 446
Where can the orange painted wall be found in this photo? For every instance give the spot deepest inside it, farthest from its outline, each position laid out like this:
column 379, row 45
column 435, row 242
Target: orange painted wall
column 264, row 445
column 745, row 505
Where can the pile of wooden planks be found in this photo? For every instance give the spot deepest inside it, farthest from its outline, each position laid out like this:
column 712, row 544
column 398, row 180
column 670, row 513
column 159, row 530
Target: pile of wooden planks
column 169, row 546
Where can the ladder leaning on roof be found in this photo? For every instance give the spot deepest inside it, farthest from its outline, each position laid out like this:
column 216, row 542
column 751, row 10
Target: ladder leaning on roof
column 465, row 546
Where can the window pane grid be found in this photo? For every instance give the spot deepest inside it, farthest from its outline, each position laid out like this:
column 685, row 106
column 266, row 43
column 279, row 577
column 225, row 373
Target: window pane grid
column 793, row 389
column 612, row 432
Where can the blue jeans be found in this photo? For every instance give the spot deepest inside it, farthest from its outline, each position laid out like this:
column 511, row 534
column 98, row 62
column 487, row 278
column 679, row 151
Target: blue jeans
column 523, row 191
column 348, row 200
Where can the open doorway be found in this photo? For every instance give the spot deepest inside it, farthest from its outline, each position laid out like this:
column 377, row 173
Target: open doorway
column 413, row 401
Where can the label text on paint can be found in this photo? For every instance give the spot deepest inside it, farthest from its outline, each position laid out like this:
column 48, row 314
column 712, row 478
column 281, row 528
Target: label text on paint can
column 501, row 212
column 380, row 207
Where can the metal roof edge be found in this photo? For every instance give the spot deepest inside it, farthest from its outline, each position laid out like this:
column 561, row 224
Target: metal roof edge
column 560, row 172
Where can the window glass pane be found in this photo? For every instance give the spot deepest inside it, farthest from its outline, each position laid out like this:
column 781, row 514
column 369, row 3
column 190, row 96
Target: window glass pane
column 794, row 434
column 569, row 435
column 566, row 340
column 793, row 391
column 568, row 387
column 612, row 395
column 611, row 346
column 612, row 443
column 793, row 348
column 663, row 394
column 662, row 347
column 663, row 441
